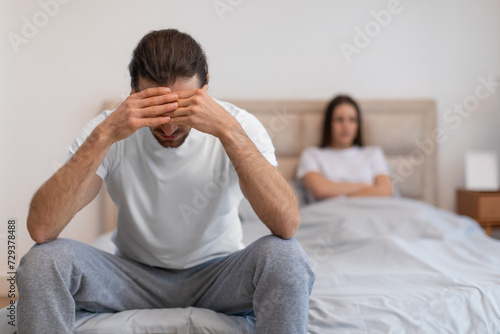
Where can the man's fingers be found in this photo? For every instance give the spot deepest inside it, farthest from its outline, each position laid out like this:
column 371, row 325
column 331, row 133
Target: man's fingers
column 186, row 97
column 182, row 120
column 155, row 111
column 157, row 100
column 178, row 112
column 153, row 91
column 184, row 103
column 185, row 94
column 153, row 121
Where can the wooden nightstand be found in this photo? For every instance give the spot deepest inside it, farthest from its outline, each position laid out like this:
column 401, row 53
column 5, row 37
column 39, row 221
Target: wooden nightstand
column 483, row 206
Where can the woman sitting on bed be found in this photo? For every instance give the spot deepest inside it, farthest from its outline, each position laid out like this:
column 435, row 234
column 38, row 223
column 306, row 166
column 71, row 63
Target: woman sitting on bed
column 342, row 165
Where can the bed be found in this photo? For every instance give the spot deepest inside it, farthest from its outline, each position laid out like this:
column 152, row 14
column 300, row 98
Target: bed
column 383, row 265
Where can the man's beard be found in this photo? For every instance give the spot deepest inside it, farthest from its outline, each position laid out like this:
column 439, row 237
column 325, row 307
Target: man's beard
column 171, row 143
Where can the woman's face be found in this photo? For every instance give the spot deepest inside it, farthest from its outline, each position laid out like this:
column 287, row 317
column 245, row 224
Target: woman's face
column 344, row 126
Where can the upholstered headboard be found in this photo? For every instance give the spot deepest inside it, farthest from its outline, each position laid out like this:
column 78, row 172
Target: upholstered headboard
column 405, row 129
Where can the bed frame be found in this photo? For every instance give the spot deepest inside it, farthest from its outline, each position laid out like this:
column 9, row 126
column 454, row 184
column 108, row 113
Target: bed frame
column 404, row 128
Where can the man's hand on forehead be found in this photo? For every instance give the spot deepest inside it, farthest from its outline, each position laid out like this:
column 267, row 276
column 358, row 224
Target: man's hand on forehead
column 197, row 109
column 155, row 96
column 147, row 108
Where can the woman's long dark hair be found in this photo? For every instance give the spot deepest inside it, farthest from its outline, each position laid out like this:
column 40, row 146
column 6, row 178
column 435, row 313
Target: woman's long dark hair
column 326, row 140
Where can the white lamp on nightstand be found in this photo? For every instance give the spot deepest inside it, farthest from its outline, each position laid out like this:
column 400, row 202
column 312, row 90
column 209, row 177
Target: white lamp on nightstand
column 481, row 170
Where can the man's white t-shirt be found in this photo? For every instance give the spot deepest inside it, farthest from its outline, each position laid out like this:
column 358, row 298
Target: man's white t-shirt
column 354, row 164
column 177, row 207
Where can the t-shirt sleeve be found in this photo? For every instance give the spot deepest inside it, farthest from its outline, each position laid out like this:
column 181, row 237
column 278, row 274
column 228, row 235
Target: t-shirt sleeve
column 259, row 136
column 106, row 164
column 379, row 162
column 308, row 163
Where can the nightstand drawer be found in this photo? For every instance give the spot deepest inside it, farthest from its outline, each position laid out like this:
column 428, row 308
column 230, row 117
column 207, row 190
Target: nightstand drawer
column 488, row 207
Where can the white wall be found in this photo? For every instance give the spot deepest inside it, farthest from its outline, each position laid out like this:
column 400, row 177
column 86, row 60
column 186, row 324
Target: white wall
column 261, row 49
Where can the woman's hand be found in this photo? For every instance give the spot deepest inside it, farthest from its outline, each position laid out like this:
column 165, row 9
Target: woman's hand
column 322, row 188
column 381, row 187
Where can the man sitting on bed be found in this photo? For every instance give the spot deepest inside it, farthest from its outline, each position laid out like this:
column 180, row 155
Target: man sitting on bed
column 176, row 163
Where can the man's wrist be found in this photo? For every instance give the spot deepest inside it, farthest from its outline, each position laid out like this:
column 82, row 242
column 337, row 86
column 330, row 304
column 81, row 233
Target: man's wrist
column 102, row 136
column 231, row 133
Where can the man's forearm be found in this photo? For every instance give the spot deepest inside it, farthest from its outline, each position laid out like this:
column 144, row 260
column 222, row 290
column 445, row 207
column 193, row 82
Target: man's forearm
column 61, row 196
column 268, row 192
column 68, row 191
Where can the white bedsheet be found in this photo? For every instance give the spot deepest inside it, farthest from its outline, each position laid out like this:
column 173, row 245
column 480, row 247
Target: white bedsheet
column 387, row 265
column 382, row 265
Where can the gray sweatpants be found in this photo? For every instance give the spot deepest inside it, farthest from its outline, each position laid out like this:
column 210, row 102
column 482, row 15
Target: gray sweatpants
column 271, row 276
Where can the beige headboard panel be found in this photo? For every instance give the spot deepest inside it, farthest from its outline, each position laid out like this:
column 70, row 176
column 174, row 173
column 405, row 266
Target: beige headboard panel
column 398, row 126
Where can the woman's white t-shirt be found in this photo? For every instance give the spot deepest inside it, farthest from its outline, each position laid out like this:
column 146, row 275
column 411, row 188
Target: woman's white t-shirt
column 355, row 164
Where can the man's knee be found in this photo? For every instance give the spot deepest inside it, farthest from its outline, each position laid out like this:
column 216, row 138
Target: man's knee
column 286, row 259
column 46, row 256
column 281, row 250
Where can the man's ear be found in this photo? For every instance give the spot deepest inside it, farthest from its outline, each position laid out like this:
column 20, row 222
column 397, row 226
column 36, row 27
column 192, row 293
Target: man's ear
column 132, row 90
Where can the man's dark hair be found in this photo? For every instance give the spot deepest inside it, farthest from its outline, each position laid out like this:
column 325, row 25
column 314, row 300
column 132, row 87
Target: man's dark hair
column 326, row 139
column 163, row 56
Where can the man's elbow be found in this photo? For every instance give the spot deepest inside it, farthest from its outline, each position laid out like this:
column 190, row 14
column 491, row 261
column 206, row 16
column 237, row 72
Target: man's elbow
column 287, row 235
column 289, row 226
column 38, row 233
column 37, row 236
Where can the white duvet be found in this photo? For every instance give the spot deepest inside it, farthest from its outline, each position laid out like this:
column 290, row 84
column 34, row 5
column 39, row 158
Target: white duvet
column 388, row 265
column 382, row 265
